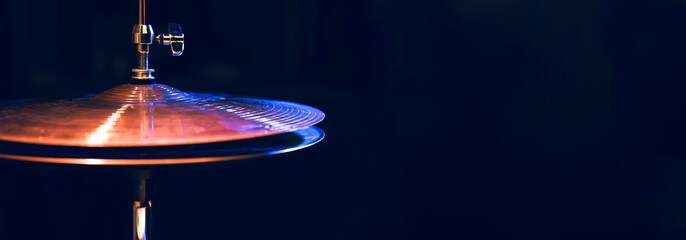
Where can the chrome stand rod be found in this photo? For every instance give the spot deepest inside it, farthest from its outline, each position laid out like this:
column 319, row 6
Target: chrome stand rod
column 142, row 49
column 142, row 36
column 141, row 205
column 141, row 12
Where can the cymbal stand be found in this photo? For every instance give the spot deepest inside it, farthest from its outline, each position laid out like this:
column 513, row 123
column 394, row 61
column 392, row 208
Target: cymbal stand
column 141, row 204
column 143, row 36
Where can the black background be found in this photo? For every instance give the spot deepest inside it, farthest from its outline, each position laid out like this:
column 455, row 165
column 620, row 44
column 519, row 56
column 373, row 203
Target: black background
column 488, row 119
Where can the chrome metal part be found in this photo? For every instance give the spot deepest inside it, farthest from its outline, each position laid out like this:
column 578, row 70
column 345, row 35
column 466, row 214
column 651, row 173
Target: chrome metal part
column 143, row 75
column 141, row 205
column 141, row 219
column 143, row 36
column 173, row 38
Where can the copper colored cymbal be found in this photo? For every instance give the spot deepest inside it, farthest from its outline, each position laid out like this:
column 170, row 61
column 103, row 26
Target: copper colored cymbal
column 131, row 115
column 164, row 155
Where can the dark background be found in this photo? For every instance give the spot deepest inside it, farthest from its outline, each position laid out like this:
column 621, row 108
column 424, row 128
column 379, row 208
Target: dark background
column 473, row 119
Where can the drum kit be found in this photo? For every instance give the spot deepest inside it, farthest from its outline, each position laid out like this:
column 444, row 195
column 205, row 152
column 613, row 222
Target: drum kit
column 143, row 123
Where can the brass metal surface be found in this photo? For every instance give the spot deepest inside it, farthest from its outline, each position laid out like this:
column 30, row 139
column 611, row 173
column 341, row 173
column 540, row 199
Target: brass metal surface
column 131, row 115
column 164, row 155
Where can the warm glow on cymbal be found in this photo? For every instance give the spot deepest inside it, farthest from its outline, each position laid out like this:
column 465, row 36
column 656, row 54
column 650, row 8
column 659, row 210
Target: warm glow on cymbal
column 101, row 135
column 131, row 115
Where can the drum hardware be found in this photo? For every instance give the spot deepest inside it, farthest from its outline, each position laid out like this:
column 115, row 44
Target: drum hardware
column 143, row 123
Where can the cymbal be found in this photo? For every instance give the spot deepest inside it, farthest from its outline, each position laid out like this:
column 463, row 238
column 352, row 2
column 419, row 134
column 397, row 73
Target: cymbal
column 133, row 115
column 164, row 155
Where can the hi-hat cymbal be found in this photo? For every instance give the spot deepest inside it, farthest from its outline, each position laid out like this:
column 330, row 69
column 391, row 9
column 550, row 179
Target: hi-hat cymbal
column 132, row 115
column 164, row 155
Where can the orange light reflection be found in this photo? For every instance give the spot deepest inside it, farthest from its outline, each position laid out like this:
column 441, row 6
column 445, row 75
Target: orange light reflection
column 140, row 223
column 100, row 135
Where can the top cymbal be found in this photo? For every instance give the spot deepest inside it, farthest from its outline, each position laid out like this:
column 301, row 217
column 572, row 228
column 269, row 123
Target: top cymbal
column 131, row 115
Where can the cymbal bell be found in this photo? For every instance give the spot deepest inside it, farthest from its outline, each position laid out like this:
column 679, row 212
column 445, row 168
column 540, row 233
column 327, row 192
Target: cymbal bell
column 134, row 115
